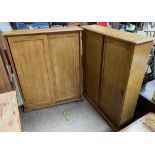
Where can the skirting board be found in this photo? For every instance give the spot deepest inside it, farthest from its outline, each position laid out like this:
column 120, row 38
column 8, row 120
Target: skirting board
column 28, row 109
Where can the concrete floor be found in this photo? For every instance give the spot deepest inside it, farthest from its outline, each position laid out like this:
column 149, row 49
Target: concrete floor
column 70, row 117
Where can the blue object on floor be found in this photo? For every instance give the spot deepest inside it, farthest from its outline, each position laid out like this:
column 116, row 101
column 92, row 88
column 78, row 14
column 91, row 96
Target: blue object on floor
column 22, row 25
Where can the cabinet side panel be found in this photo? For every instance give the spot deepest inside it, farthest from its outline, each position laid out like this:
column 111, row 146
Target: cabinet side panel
column 92, row 65
column 65, row 55
column 138, row 68
column 4, row 79
column 115, row 73
column 30, row 61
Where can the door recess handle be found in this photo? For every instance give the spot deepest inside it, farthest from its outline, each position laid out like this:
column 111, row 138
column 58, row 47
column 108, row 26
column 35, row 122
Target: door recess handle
column 122, row 92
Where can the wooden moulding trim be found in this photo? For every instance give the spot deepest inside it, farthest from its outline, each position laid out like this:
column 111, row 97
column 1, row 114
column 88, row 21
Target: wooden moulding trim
column 119, row 35
column 42, row 31
column 81, row 62
column 30, row 108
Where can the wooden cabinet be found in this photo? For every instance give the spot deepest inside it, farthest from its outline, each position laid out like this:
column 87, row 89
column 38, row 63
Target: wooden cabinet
column 114, row 66
column 5, row 82
column 48, row 67
column 47, row 63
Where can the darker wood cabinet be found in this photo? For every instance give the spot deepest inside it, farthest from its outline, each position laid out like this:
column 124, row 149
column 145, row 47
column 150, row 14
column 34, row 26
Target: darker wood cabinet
column 92, row 69
column 5, row 81
column 47, row 63
column 114, row 66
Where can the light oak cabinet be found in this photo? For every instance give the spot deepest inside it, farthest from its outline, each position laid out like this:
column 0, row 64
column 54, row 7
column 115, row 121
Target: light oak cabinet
column 47, row 63
column 114, row 67
column 48, row 67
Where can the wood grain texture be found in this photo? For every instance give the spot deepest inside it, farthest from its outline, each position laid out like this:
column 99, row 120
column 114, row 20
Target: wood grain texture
column 123, row 64
column 42, row 31
column 98, row 109
column 115, row 73
column 3, row 49
column 48, row 67
column 30, row 56
column 92, row 65
column 39, row 106
column 137, row 71
column 65, row 53
column 117, row 34
column 144, row 124
column 12, row 65
column 5, row 84
column 9, row 114
column 5, row 81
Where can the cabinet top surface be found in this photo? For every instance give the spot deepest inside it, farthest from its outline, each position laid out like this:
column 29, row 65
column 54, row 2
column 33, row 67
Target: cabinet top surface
column 121, row 35
column 42, row 31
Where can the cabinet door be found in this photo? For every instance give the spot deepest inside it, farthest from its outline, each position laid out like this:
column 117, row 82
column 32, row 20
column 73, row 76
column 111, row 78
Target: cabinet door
column 31, row 58
column 92, row 65
column 116, row 68
column 64, row 50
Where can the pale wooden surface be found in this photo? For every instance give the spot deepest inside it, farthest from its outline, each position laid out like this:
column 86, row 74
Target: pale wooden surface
column 9, row 114
column 42, row 31
column 117, row 34
column 65, row 53
column 31, row 56
column 144, row 124
column 48, row 67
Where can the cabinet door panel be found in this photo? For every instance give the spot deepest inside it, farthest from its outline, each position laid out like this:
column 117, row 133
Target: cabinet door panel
column 116, row 67
column 64, row 50
column 92, row 65
column 31, row 60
